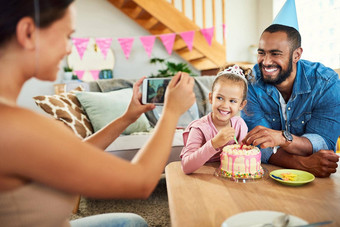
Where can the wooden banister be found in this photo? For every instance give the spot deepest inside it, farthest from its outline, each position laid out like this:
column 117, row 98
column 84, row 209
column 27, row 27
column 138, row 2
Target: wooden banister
column 203, row 12
column 194, row 11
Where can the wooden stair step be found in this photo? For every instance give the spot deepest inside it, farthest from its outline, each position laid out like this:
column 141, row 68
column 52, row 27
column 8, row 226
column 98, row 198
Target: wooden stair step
column 117, row 3
column 203, row 63
column 144, row 15
column 159, row 27
column 128, row 4
column 190, row 55
column 179, row 44
column 133, row 12
column 161, row 17
column 147, row 24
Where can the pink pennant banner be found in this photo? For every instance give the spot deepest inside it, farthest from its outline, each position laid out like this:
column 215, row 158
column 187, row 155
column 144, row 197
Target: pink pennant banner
column 95, row 74
column 81, row 45
column 168, row 41
column 79, row 73
column 104, row 45
column 148, row 42
column 208, row 34
column 188, row 38
column 126, row 44
column 224, row 29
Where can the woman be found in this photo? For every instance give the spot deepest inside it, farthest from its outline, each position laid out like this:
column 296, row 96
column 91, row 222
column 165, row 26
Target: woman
column 43, row 165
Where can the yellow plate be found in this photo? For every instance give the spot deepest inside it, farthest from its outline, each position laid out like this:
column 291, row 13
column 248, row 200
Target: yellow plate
column 302, row 177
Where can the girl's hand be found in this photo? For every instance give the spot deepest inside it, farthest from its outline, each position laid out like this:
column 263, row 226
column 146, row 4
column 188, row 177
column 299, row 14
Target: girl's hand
column 136, row 108
column 179, row 95
column 223, row 136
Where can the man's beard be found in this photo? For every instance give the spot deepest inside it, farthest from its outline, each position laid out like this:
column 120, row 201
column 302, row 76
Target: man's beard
column 283, row 75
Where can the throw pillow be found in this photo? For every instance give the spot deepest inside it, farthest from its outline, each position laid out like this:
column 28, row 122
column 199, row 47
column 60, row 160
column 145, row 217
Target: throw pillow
column 104, row 107
column 66, row 108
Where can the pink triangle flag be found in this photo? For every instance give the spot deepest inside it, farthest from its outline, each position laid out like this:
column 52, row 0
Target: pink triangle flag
column 79, row 73
column 104, row 45
column 168, row 41
column 188, row 38
column 95, row 74
column 148, row 42
column 208, row 34
column 81, row 45
column 126, row 44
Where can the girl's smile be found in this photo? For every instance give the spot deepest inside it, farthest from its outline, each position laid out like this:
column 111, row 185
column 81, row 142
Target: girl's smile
column 226, row 100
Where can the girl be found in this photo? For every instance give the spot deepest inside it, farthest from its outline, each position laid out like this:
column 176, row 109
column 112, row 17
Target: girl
column 43, row 165
column 204, row 138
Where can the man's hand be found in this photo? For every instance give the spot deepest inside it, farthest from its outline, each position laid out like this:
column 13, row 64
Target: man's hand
column 321, row 164
column 223, row 136
column 265, row 137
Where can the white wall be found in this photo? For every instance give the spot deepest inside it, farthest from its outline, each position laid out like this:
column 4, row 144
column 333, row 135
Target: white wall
column 245, row 21
column 99, row 18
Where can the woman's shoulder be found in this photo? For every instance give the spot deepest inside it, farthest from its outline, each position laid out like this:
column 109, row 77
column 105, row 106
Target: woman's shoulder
column 18, row 115
column 13, row 114
column 21, row 124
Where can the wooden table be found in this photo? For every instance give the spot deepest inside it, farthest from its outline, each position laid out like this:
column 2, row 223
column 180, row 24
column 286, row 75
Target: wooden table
column 202, row 199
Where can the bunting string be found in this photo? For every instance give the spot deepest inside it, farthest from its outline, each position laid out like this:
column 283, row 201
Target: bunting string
column 147, row 41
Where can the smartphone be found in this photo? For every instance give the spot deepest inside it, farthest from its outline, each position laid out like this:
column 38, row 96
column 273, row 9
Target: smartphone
column 153, row 90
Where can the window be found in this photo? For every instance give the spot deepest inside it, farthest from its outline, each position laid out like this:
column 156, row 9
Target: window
column 319, row 25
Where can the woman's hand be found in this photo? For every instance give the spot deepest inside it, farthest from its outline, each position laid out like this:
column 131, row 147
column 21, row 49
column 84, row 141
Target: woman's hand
column 136, row 108
column 179, row 95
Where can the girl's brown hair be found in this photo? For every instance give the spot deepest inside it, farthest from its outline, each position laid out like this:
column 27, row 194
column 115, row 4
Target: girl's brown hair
column 235, row 78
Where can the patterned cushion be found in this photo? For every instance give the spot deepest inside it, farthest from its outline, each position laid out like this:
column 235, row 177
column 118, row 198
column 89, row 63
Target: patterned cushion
column 66, row 108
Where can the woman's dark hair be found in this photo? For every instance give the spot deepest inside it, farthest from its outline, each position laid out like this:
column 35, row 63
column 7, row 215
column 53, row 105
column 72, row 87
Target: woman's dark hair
column 43, row 12
column 293, row 35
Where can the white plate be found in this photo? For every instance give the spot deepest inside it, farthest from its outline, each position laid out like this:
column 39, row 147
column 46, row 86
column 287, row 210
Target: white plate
column 259, row 217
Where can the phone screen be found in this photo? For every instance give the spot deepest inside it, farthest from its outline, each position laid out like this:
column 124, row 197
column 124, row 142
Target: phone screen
column 155, row 90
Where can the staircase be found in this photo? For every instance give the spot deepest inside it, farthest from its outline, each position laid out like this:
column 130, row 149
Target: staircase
column 161, row 17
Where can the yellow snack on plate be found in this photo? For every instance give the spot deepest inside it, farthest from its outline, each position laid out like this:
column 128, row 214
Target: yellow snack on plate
column 288, row 176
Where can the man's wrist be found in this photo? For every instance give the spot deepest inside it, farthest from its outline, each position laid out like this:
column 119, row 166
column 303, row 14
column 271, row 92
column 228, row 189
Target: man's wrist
column 287, row 138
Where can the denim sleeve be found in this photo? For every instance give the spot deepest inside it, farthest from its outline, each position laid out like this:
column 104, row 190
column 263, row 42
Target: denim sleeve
column 325, row 121
column 317, row 141
column 266, row 153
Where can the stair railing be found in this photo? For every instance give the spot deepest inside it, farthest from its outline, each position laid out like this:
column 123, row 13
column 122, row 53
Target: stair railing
column 205, row 14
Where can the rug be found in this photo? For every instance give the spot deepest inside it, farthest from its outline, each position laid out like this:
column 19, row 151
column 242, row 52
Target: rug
column 155, row 209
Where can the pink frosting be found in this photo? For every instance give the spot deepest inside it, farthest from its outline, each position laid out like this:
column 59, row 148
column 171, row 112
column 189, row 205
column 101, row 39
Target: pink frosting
column 231, row 158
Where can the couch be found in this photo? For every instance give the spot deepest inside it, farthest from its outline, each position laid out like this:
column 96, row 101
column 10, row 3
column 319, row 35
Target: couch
column 86, row 105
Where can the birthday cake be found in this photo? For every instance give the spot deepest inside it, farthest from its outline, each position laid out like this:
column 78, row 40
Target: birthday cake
column 241, row 161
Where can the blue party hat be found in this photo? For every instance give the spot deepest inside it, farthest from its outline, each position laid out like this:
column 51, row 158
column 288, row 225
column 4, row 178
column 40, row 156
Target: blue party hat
column 287, row 15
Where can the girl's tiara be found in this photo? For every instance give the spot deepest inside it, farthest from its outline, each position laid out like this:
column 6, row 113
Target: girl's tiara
column 236, row 70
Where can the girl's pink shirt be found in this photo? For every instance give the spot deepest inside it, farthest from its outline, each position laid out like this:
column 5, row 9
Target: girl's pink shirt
column 197, row 137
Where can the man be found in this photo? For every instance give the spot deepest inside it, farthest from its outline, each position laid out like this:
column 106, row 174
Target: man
column 293, row 105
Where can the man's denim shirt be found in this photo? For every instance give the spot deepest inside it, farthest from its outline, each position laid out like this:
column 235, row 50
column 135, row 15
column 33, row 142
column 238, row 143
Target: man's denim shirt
column 313, row 110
